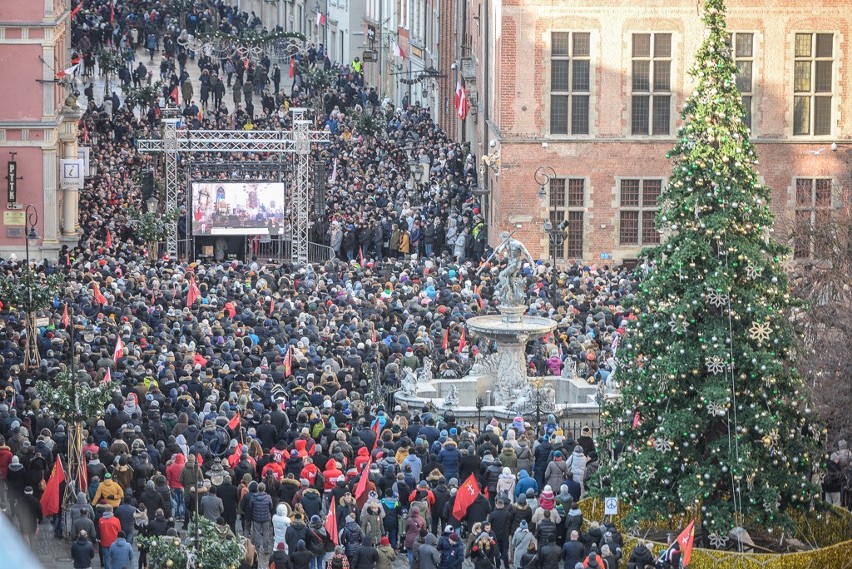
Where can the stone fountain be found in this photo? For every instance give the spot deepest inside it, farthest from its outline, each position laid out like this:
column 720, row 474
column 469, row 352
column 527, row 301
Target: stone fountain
column 499, row 380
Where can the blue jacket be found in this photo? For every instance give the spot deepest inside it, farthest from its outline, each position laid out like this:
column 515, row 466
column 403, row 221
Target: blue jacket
column 449, row 457
column 525, row 482
column 121, row 554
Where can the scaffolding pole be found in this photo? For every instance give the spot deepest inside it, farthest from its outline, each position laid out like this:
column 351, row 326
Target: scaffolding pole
column 302, row 187
column 170, row 146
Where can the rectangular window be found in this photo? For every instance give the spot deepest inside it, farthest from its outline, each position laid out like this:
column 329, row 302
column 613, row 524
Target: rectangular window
column 637, row 209
column 567, row 207
column 813, row 84
column 813, row 210
column 742, row 50
column 570, row 80
column 651, row 84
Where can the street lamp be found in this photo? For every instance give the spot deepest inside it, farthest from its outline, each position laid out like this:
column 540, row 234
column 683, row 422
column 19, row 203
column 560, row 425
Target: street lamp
column 542, row 177
column 151, row 204
column 556, row 237
column 30, row 234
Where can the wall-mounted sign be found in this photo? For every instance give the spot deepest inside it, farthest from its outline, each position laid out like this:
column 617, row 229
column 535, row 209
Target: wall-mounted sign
column 71, row 174
column 12, row 217
column 12, row 181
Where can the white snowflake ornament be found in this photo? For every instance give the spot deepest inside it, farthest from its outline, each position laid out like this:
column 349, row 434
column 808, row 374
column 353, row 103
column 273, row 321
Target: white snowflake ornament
column 752, row 272
column 663, row 445
column 760, row 332
column 716, row 410
column 715, row 365
column 716, row 299
column 677, row 325
column 718, row 540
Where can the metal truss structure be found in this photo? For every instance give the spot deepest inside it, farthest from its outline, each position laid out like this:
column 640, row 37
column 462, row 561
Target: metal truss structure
column 297, row 141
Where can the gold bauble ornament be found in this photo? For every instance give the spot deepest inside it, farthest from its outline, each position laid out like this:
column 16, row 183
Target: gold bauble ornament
column 169, row 563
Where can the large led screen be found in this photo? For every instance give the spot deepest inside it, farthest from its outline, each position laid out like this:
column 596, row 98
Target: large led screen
column 236, row 208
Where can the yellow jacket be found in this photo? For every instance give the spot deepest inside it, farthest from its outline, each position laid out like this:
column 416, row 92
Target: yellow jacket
column 110, row 491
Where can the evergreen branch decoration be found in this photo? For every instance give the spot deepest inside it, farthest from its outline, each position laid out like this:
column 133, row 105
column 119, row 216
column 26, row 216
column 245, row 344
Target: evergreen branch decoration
column 169, row 552
column 151, row 227
column 250, row 38
column 58, row 395
column 30, row 292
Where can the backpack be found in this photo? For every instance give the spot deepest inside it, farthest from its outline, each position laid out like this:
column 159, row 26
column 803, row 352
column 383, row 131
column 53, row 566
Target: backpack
column 315, row 543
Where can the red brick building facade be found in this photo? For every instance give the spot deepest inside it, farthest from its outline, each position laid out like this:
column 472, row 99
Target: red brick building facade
column 593, row 90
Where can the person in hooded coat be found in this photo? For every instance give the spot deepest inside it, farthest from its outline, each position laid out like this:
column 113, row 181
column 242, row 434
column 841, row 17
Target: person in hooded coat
column 387, row 554
column 365, row 556
column 301, row 557
column 428, row 556
column 520, row 543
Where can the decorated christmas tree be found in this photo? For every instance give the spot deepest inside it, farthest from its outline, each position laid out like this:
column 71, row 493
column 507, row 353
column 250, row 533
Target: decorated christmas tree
column 712, row 419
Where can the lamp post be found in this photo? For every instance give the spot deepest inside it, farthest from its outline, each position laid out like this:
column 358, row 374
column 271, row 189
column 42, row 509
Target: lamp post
column 479, row 404
column 556, row 237
column 482, row 194
column 30, row 221
column 542, row 177
column 152, row 204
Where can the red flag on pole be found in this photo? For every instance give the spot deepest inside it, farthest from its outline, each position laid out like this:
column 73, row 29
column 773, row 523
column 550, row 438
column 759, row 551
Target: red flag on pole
column 65, row 319
column 83, row 477
column 331, row 523
column 175, row 94
column 119, row 350
column 235, row 421
column 465, row 497
column 107, row 377
column 462, row 340
column 685, row 540
column 112, row 11
column 288, row 362
column 108, row 241
column 77, row 8
column 362, row 482
column 361, row 256
column 376, row 428
column 193, row 293
column 445, row 343
column 271, row 307
column 292, row 71
column 98, row 295
column 50, row 498
column 373, row 334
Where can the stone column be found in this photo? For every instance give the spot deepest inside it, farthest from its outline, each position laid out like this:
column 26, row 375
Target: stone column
column 70, row 195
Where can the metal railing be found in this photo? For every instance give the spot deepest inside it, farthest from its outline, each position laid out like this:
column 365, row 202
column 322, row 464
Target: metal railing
column 280, row 250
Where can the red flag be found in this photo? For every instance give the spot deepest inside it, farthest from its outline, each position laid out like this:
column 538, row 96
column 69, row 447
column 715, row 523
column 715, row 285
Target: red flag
column 271, row 307
column 462, row 340
column 373, row 334
column 112, row 11
column 193, row 293
column 445, row 343
column 119, row 350
column 479, row 297
column 376, row 428
column 108, row 241
column 466, row 495
column 50, row 498
column 175, row 94
column 77, row 8
column 331, row 523
column 361, row 256
column 83, row 477
column 362, row 482
column 288, row 362
column 107, row 378
column 99, row 297
column 321, row 19
column 65, row 320
column 235, row 421
column 292, row 71
column 685, row 540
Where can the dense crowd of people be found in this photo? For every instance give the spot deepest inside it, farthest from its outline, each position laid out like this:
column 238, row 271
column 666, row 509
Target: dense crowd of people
column 255, row 406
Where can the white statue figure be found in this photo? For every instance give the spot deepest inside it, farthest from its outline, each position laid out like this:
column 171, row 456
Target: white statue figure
column 408, row 385
column 452, row 398
column 424, row 374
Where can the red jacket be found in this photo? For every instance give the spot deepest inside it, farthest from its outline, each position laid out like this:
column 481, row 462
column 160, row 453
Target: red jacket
column 331, row 474
column 362, row 459
column 173, row 472
column 5, row 460
column 108, row 529
column 309, row 473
